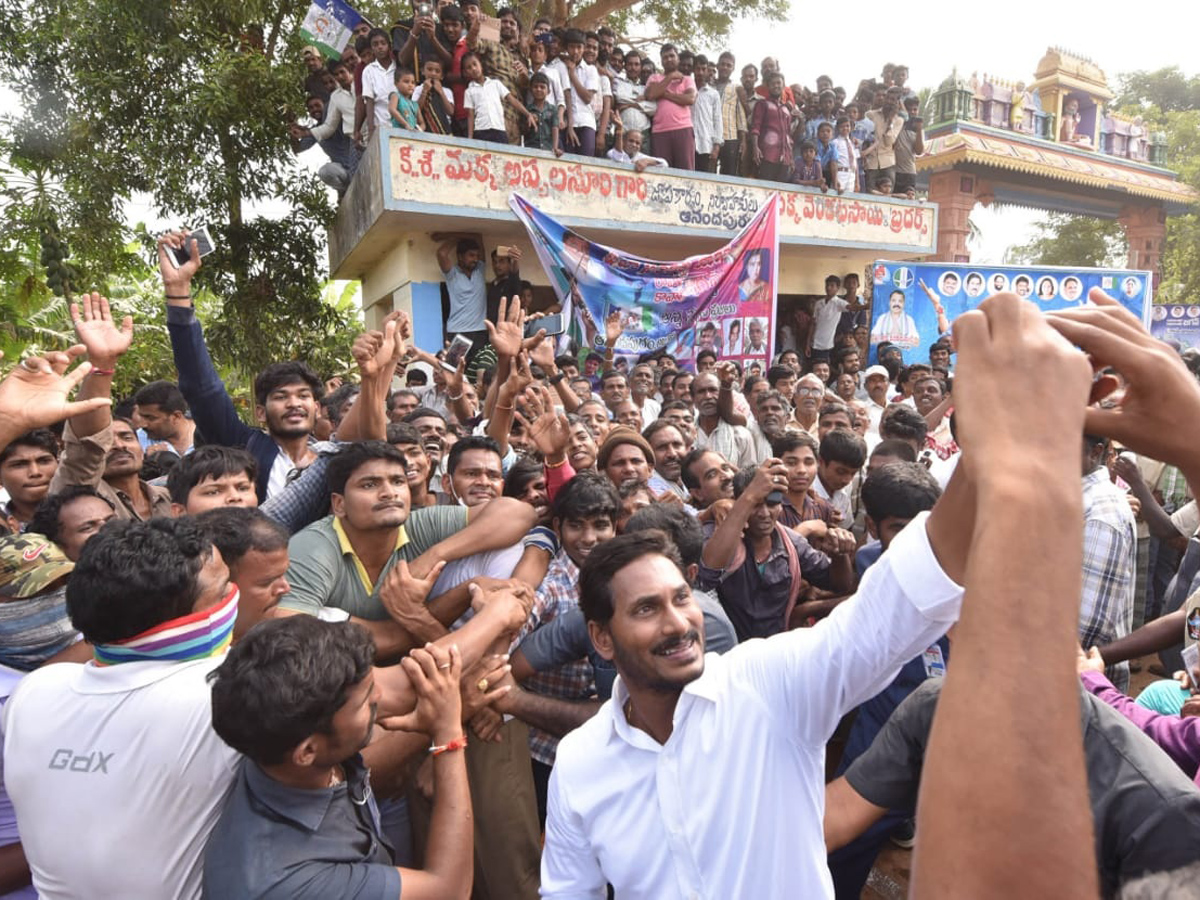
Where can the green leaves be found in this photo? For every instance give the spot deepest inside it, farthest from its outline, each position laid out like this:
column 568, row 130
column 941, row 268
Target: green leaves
column 185, row 104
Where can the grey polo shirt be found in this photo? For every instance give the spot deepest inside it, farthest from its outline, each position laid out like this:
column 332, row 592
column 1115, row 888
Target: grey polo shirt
column 468, row 299
column 324, row 570
column 1146, row 811
column 275, row 842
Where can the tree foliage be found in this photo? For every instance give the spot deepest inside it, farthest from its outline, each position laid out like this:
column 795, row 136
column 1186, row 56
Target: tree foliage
column 1069, row 240
column 185, row 103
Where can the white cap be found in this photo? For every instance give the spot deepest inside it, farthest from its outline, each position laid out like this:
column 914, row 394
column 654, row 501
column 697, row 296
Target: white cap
column 877, row 370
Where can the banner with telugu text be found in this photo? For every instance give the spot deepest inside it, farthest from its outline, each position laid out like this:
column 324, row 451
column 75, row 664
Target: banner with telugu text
column 724, row 300
column 905, row 297
column 1176, row 322
column 329, row 24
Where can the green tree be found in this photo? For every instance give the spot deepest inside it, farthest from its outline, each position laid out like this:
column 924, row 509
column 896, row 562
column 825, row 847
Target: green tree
column 1068, row 240
column 186, row 103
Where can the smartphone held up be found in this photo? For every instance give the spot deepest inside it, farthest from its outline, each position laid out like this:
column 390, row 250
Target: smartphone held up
column 204, row 246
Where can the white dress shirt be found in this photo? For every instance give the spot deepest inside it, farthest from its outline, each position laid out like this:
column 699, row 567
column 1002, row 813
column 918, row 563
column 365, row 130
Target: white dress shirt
column 731, row 806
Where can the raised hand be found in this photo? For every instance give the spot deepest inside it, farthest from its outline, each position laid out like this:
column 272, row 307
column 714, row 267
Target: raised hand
column 177, row 281
column 612, row 328
column 377, row 352
column 95, row 329
column 403, row 595
column 34, row 394
column 1158, row 414
column 508, row 333
column 549, row 429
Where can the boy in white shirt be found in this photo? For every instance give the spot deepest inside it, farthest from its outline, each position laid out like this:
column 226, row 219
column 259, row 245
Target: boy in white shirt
column 378, row 82
column 580, row 82
column 484, row 100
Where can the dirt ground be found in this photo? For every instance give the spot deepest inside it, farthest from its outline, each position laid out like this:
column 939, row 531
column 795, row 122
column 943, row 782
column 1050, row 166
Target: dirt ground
column 890, row 876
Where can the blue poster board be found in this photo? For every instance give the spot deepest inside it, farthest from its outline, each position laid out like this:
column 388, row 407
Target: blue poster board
column 912, row 304
column 1176, row 322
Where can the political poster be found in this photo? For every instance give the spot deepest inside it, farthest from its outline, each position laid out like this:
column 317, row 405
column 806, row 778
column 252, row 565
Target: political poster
column 1176, row 322
column 912, row 304
column 723, row 301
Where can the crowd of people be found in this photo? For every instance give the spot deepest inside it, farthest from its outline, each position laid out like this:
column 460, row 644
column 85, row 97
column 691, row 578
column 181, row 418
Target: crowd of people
column 538, row 625
column 564, row 90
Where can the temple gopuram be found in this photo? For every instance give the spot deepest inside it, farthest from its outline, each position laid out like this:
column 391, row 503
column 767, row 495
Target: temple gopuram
column 1050, row 144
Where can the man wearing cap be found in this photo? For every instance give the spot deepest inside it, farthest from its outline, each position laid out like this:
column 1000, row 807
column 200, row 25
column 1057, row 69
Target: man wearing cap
column 876, row 381
column 34, row 625
column 626, row 456
column 315, row 82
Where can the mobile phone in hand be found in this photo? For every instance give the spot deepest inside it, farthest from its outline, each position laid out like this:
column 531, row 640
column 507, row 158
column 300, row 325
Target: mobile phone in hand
column 456, row 353
column 553, row 325
column 204, row 246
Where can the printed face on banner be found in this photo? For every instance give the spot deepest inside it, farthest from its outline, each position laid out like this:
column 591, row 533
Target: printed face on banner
column 913, row 304
column 723, row 301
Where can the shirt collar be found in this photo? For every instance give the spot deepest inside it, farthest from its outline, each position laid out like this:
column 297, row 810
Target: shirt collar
column 1099, row 474
column 704, row 687
column 345, row 546
column 306, row 807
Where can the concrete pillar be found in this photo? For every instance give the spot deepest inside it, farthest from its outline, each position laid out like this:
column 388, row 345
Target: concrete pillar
column 955, row 193
column 1145, row 231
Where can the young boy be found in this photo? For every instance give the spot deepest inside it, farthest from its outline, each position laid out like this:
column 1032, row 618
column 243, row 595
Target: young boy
column 538, row 62
column 435, row 103
column 484, row 102
column 401, row 103
column 883, row 186
column 545, row 135
column 633, row 153
column 808, row 170
column 826, row 155
column 210, row 477
column 845, row 163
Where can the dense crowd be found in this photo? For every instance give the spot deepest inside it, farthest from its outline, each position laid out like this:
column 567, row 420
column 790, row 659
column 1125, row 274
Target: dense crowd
column 564, row 90
column 610, row 622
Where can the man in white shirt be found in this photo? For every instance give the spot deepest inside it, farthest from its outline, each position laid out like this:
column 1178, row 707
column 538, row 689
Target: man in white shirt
column 580, row 82
column 706, row 119
column 877, row 382
column 632, row 153
column 703, row 776
column 827, row 312
column 628, row 91
column 335, row 132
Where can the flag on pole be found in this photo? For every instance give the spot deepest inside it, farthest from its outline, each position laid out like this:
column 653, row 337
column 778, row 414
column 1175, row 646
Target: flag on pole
column 329, row 24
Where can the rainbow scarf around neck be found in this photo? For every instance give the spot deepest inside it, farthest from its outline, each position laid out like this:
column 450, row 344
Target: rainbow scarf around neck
column 195, row 636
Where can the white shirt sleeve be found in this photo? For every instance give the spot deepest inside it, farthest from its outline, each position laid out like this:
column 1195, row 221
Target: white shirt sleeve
column 570, row 869
column 813, row 676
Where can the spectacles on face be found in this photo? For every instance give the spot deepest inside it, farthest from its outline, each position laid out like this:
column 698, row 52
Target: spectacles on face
column 809, row 391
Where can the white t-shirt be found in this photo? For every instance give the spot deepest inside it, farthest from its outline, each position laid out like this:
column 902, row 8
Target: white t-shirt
column 117, row 777
column 487, row 100
column 586, row 75
column 9, row 679
column 826, row 315
column 377, row 85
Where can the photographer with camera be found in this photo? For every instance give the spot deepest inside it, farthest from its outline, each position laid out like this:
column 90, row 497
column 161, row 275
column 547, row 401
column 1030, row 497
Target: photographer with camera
column 909, row 144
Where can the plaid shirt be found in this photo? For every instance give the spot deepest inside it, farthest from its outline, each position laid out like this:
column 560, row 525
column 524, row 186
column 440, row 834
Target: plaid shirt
column 559, row 593
column 1109, row 556
column 733, row 114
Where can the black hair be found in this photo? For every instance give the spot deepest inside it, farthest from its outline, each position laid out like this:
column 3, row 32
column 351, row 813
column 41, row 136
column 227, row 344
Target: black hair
column 587, row 494
column 794, row 440
column 378, row 32
column 707, row 354
column 901, row 450
column 158, row 464
column 610, row 557
column 466, row 245
column 403, row 433
column 807, row 145
column 134, row 575
column 613, row 373
column 520, row 475
column 237, row 530
column 668, row 48
column 742, row 478
column 210, row 461
column 680, row 526
column 904, row 423
column 510, row 12
column 836, row 279
column 163, row 394
column 686, row 475
column 286, row 680
column 335, row 399
column 347, row 460
column 471, row 442
column 45, row 518
column 539, row 78
column 899, row 491
column 39, row 438
column 656, row 426
column 574, row 36
column 401, row 71
column 281, row 374
column 424, row 412
column 843, row 447
column 832, row 407
column 777, row 373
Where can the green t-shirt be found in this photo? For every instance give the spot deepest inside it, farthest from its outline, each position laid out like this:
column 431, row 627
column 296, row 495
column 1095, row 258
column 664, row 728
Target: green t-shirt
column 324, row 571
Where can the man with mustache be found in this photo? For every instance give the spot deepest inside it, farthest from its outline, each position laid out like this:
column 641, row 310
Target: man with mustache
column 896, row 325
